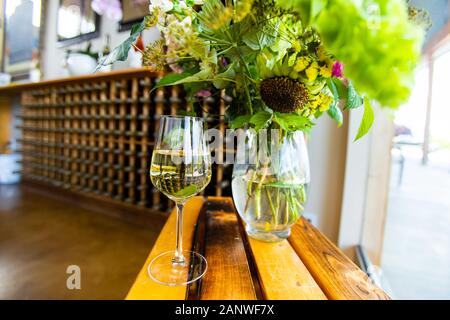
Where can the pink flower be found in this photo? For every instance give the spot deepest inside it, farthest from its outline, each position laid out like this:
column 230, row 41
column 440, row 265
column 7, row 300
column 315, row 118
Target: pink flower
column 224, row 61
column 176, row 68
column 204, row 93
column 110, row 8
column 338, row 70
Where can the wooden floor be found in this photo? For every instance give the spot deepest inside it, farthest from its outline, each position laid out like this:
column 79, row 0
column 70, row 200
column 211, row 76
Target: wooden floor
column 41, row 237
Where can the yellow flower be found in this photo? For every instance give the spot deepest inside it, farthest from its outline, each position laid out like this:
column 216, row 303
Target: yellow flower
column 152, row 19
column 326, row 71
column 241, row 9
column 220, row 19
column 312, row 71
column 296, row 46
column 325, row 102
column 313, row 105
column 322, row 54
column 302, row 63
column 154, row 55
column 305, row 112
column 293, row 75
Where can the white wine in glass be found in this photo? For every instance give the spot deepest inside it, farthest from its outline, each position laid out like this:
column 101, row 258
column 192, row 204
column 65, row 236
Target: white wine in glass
column 180, row 169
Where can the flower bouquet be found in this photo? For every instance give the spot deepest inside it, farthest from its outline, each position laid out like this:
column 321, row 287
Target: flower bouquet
column 283, row 64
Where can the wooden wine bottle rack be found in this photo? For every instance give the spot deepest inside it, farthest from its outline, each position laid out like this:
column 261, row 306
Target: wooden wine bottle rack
column 95, row 135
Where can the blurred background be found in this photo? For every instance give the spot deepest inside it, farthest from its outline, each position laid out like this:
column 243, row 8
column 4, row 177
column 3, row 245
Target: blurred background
column 390, row 212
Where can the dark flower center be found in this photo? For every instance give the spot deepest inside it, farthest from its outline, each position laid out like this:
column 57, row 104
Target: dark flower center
column 284, row 94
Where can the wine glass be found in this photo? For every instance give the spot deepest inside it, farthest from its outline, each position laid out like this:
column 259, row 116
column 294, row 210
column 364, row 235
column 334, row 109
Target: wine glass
column 180, row 169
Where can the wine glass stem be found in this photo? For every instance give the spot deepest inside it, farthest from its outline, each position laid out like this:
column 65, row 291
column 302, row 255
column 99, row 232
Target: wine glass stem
column 179, row 259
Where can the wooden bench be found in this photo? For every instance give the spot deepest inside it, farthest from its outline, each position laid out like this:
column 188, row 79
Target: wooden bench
column 307, row 266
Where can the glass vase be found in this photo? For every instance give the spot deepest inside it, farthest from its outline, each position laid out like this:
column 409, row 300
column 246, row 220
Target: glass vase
column 270, row 179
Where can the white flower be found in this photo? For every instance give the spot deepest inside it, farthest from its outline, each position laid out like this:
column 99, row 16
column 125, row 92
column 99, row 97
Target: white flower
column 187, row 22
column 182, row 4
column 164, row 5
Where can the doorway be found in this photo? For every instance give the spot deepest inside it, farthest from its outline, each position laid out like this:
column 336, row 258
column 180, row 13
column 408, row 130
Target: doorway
column 415, row 258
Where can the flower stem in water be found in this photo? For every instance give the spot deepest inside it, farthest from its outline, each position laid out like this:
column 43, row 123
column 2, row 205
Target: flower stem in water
column 286, row 220
column 272, row 207
column 257, row 202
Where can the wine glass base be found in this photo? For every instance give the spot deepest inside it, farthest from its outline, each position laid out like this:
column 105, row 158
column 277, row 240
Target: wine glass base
column 162, row 269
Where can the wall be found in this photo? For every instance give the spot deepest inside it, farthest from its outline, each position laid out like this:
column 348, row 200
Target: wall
column 53, row 54
column 366, row 185
column 327, row 150
column 2, row 31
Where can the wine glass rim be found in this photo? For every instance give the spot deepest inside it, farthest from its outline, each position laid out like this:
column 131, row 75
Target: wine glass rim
column 181, row 117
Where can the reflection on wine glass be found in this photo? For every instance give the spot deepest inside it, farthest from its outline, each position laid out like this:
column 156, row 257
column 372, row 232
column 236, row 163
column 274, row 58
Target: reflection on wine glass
column 180, row 169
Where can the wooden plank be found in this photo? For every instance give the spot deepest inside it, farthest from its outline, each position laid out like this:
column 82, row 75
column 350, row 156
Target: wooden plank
column 219, row 151
column 90, row 140
column 122, row 126
column 144, row 160
column 132, row 144
column 111, row 145
column 228, row 276
column 94, row 77
column 59, row 137
column 282, row 274
column 145, row 288
column 198, row 245
column 334, row 272
column 102, row 156
column 75, row 138
column 67, row 137
column 5, row 121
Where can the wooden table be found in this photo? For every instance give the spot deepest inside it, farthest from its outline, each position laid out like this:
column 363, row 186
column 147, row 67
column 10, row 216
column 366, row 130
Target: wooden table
column 307, row 266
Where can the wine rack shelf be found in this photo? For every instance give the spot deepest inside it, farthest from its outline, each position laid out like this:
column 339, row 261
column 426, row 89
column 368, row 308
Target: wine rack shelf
column 96, row 135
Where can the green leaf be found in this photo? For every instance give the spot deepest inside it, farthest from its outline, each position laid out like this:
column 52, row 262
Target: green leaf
column 261, row 119
column 259, row 38
column 281, row 184
column 281, row 122
column 192, row 88
column 342, row 92
column 202, row 75
column 384, row 40
column 186, row 113
column 341, row 88
column 316, row 7
column 367, row 120
column 120, row 53
column 240, row 121
column 292, row 121
column 302, row 7
column 334, row 90
column 336, row 114
column 223, row 79
column 353, row 99
column 171, row 79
